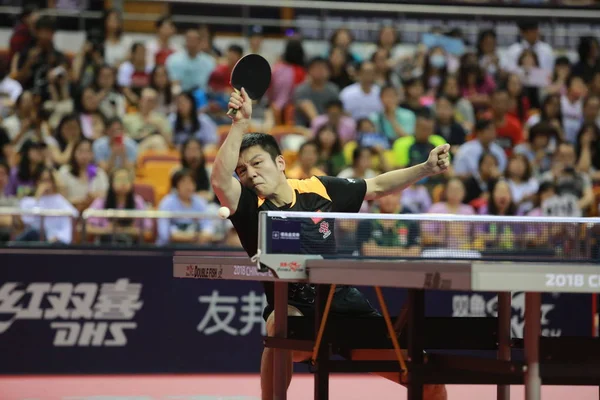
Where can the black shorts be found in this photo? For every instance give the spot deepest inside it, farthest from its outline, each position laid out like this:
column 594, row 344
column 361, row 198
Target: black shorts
column 347, row 301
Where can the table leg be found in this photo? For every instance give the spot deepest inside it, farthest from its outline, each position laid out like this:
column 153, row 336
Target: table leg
column 504, row 315
column 280, row 367
column 416, row 322
column 321, row 363
column 531, row 336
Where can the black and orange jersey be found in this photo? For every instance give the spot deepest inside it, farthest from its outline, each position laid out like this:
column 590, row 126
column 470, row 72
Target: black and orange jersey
column 317, row 194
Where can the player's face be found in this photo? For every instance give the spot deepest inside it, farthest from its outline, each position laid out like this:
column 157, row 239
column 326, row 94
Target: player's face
column 257, row 171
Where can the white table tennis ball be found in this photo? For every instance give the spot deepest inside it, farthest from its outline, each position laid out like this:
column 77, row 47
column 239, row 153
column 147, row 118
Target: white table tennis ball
column 224, row 212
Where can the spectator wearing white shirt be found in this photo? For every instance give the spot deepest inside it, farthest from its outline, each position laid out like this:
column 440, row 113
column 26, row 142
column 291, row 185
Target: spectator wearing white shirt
column 134, row 74
column 10, row 90
column 56, row 229
column 116, row 46
column 571, row 107
column 530, row 39
column 362, row 99
column 523, row 186
column 467, row 158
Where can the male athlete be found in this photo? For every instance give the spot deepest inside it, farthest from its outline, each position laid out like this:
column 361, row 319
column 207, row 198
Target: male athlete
column 262, row 185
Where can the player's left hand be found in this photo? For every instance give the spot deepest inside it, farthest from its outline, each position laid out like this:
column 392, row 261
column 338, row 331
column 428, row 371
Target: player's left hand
column 439, row 160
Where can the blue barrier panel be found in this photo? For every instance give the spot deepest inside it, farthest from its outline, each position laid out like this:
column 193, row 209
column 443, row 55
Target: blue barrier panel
column 97, row 312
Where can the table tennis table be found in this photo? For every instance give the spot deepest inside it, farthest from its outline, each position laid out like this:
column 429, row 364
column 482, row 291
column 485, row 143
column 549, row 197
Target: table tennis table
column 556, row 361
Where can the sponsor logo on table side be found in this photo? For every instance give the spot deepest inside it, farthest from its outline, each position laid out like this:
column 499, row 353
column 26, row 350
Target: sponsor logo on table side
column 290, row 266
column 194, row 271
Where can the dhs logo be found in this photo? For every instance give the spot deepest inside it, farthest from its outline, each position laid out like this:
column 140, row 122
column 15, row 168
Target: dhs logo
column 276, row 235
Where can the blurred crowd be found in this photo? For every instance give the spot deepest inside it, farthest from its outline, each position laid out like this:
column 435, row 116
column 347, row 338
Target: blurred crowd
column 124, row 125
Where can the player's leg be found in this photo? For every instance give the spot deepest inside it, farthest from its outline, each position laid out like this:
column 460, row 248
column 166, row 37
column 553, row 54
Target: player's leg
column 266, row 366
column 430, row 392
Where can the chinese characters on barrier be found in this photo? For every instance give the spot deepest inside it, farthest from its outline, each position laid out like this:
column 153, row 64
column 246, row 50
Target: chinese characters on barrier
column 221, row 312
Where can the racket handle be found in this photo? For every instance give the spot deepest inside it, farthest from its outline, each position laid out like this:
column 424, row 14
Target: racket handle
column 233, row 111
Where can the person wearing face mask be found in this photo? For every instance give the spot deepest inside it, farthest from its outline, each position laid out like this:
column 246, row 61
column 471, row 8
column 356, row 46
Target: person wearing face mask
column 436, row 69
column 362, row 98
column 571, row 107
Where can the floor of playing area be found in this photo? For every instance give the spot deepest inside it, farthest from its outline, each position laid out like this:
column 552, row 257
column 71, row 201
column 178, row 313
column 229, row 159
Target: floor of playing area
column 239, row 387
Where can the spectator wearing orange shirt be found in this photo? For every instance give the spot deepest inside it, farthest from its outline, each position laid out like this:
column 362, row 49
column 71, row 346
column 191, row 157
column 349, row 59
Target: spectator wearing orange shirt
column 508, row 129
column 306, row 166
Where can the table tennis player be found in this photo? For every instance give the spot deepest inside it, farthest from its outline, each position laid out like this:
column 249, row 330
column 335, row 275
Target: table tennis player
column 262, row 185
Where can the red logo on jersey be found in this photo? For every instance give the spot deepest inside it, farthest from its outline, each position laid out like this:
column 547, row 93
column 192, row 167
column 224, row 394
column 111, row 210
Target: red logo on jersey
column 317, row 220
column 324, row 229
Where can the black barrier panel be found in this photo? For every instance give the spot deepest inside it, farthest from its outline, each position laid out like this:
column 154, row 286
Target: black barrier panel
column 99, row 312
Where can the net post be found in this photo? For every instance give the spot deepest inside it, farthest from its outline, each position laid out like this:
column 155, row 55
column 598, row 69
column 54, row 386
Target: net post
column 416, row 322
column 531, row 336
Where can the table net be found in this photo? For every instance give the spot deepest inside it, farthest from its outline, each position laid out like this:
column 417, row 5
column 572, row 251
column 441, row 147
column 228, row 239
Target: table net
column 451, row 237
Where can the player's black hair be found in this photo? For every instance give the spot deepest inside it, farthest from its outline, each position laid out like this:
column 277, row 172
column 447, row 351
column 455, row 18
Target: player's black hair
column 179, row 175
column 46, row 23
column 266, row 142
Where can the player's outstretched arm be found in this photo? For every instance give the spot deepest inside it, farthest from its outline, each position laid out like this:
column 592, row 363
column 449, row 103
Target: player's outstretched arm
column 438, row 162
column 226, row 187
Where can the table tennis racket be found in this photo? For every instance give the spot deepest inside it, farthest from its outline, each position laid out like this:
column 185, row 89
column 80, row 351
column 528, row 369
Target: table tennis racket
column 253, row 73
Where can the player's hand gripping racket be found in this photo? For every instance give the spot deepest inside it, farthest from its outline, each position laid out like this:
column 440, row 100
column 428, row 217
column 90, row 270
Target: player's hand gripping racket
column 253, row 73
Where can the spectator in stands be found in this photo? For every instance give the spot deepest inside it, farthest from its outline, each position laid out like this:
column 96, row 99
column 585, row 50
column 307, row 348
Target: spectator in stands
column 6, row 200
column 393, row 121
column 523, row 185
column 41, row 61
column 120, row 196
column 509, row 131
column 530, row 39
column 116, row 47
column 518, row 102
column 388, row 39
column 31, row 160
column 219, row 79
column 330, row 154
column 207, row 44
column 368, row 136
column 477, row 185
column 187, row 123
column 589, row 58
column 538, row 149
column 115, row 149
column 46, row 197
column 111, row 101
column 393, row 237
column 149, row 128
column 362, row 165
column 487, row 52
column 414, row 149
column 588, row 150
column 24, row 124
column 88, row 59
column 184, row 198
column 530, row 75
column 255, row 41
column 23, row 34
column 159, row 81
column 192, row 159
column 311, row 96
column 416, row 198
column 384, row 74
column 342, row 75
column 571, row 107
column 289, row 74
column 567, row 179
column 134, row 74
column 361, row 99
column 343, row 39
column 62, row 144
column 475, row 84
column 87, row 106
column 463, row 109
column 7, row 150
column 334, row 117
column 562, row 70
column 306, row 164
column 83, row 181
column 59, row 102
column 591, row 111
column 10, row 90
column 550, row 113
column 499, row 235
column 161, row 47
column 445, row 124
column 451, row 235
column 190, row 69
column 414, row 90
column 435, row 71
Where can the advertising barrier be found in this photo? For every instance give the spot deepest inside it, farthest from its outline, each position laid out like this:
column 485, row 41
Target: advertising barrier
column 98, row 312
